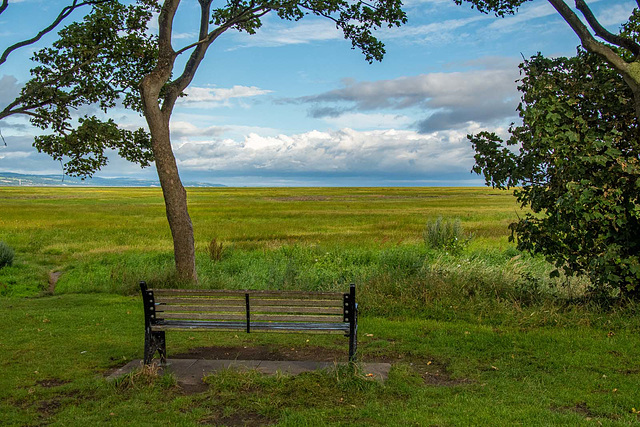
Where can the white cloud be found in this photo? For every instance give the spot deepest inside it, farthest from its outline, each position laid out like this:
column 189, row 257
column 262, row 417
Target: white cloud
column 346, row 151
column 211, row 96
column 181, row 129
column 526, row 14
column 615, row 15
column 182, row 36
column 369, row 121
column 436, row 32
column 9, row 89
column 275, row 33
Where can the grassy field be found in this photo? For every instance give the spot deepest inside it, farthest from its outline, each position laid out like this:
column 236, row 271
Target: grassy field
column 481, row 336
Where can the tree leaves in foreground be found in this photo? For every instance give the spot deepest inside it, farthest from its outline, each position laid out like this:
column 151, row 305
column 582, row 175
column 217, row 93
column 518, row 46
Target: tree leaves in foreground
column 575, row 157
column 95, row 65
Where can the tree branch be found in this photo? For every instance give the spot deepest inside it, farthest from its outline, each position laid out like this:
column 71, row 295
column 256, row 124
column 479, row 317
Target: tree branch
column 324, row 14
column 63, row 14
column 165, row 24
column 601, row 32
column 591, row 44
column 179, row 84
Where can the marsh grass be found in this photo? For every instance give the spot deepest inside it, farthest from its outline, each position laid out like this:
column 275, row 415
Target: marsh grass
column 446, row 234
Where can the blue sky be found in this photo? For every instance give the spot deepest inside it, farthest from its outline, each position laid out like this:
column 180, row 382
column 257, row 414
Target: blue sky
column 295, row 105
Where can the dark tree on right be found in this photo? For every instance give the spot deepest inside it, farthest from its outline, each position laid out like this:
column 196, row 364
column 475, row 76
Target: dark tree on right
column 574, row 162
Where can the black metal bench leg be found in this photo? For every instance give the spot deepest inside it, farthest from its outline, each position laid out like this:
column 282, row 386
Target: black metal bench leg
column 154, row 341
column 353, row 327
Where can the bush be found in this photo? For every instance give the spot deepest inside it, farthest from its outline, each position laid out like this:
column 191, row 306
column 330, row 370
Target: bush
column 6, row 255
column 446, row 235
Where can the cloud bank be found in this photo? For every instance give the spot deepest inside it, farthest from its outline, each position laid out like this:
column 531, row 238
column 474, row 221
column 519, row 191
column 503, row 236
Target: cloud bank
column 449, row 100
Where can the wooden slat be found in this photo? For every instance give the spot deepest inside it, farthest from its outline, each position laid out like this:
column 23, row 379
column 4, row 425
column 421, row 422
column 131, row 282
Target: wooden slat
column 315, row 310
column 254, row 302
column 294, row 318
column 198, row 325
column 320, row 328
column 287, row 326
column 203, row 316
column 295, row 302
column 199, row 292
column 254, row 317
column 200, row 308
column 202, row 301
column 235, row 329
column 267, row 309
column 256, row 293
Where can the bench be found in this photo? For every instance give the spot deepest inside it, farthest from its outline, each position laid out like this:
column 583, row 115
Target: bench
column 246, row 310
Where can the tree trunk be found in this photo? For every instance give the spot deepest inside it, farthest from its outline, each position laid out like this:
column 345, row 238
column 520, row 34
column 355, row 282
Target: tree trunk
column 175, row 196
column 175, row 200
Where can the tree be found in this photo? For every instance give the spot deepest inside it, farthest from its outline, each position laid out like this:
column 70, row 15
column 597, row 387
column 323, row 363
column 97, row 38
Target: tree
column 621, row 51
column 578, row 168
column 151, row 84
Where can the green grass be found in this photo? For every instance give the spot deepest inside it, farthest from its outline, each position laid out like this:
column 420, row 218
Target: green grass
column 482, row 336
column 61, row 347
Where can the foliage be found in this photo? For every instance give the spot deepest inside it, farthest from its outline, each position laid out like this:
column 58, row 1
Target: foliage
column 445, row 234
column 98, row 61
column 578, row 166
column 6, row 255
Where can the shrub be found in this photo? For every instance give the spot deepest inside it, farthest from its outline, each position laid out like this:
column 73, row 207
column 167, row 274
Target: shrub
column 445, row 234
column 6, row 255
column 215, row 250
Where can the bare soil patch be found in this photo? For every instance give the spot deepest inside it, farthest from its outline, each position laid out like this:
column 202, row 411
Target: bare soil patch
column 436, row 374
column 51, row 382
column 318, row 354
column 53, row 279
column 237, row 419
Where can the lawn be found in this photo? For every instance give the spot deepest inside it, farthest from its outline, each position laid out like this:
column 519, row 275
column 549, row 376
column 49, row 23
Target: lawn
column 478, row 337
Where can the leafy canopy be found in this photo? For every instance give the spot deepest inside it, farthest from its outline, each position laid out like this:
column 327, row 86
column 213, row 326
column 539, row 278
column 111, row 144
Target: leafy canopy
column 95, row 64
column 574, row 161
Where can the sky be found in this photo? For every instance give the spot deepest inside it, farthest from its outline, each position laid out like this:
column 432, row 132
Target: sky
column 294, row 105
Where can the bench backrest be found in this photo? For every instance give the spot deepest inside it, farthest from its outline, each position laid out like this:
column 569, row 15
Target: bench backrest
column 249, row 306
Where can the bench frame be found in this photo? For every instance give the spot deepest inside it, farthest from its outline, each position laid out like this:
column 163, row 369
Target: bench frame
column 156, row 325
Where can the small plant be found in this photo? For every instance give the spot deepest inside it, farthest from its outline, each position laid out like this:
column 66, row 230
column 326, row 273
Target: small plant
column 6, row 255
column 215, row 250
column 446, row 235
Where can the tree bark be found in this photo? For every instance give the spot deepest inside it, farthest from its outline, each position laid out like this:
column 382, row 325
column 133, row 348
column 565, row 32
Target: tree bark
column 175, row 199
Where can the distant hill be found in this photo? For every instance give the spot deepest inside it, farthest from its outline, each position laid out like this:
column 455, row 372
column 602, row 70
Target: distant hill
column 8, row 179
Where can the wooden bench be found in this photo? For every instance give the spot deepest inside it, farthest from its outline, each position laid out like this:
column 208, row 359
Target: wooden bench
column 246, row 310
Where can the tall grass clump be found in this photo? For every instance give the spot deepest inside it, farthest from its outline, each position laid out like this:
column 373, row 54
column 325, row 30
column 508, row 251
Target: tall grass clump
column 446, row 235
column 215, row 250
column 6, row 255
